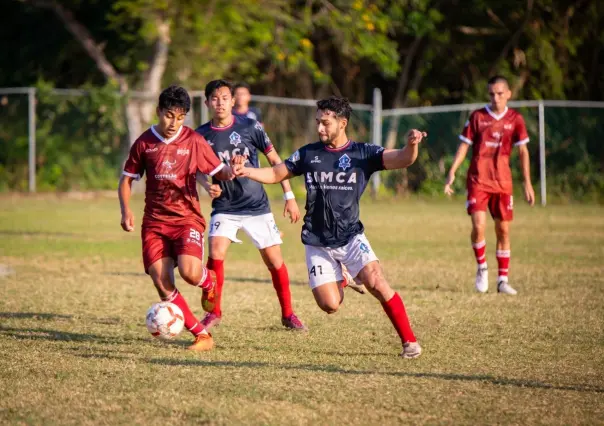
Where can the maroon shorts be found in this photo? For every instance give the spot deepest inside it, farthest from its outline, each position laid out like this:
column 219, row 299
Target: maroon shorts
column 163, row 240
column 501, row 206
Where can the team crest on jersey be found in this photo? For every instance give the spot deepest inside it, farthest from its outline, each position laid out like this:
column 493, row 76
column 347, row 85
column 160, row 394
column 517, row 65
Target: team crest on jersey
column 168, row 165
column 235, row 138
column 344, row 162
column 295, row 157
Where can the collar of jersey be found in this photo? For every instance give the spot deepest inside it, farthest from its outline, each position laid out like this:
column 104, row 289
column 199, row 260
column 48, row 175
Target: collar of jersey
column 495, row 116
column 220, row 129
column 346, row 145
column 164, row 140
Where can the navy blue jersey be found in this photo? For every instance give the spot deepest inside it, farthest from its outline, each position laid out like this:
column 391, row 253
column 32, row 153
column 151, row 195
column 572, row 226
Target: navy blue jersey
column 253, row 113
column 335, row 180
column 244, row 137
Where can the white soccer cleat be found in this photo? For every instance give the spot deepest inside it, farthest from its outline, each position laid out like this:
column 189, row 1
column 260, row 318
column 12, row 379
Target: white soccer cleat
column 351, row 283
column 411, row 350
column 504, row 287
column 482, row 278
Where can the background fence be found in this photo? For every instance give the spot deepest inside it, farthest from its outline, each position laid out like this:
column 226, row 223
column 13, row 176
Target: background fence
column 53, row 139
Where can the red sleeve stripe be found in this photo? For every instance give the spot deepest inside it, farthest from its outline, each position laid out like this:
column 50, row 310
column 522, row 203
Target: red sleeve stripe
column 217, row 169
column 522, row 142
column 268, row 149
column 464, row 139
column 132, row 175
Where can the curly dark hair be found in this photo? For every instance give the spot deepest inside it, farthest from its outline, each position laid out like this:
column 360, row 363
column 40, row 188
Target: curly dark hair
column 339, row 106
column 214, row 85
column 175, row 97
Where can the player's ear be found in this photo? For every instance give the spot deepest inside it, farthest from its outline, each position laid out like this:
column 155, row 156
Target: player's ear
column 343, row 123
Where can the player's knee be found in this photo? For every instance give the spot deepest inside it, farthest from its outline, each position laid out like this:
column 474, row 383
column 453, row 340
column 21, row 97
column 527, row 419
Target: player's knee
column 163, row 285
column 189, row 273
column 329, row 308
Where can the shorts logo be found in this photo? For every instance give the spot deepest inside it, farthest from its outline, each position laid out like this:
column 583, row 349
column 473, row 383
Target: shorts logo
column 364, row 248
column 275, row 228
column 344, row 162
column 235, row 138
column 470, row 202
column 511, row 204
column 316, row 160
column 182, row 151
column 194, row 237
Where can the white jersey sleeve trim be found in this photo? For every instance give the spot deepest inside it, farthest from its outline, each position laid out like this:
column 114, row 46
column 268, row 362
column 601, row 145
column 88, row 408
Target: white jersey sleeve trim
column 217, row 169
column 132, row 175
column 522, row 142
column 464, row 139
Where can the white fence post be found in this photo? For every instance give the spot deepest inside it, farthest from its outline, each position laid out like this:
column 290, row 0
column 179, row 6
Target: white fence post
column 376, row 133
column 31, row 129
column 542, row 154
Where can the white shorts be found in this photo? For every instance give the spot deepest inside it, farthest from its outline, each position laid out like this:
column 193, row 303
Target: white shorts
column 325, row 264
column 261, row 229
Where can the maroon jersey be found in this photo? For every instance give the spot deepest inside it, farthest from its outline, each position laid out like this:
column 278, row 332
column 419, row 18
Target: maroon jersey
column 492, row 137
column 171, row 166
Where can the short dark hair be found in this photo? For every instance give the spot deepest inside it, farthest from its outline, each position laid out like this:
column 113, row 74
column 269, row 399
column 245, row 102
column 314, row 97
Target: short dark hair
column 175, row 97
column 498, row 79
column 214, row 85
column 242, row 85
column 339, row 106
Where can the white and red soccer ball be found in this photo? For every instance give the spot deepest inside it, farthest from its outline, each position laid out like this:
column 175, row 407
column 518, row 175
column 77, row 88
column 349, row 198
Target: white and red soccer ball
column 165, row 320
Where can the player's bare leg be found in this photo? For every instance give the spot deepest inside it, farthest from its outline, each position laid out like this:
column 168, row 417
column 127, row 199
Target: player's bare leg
column 375, row 282
column 213, row 304
column 162, row 274
column 329, row 296
column 502, row 230
column 191, row 270
column 273, row 259
column 479, row 221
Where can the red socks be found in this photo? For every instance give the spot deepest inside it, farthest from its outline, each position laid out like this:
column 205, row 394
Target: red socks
column 218, row 267
column 503, row 263
column 479, row 251
column 395, row 310
column 191, row 322
column 281, row 285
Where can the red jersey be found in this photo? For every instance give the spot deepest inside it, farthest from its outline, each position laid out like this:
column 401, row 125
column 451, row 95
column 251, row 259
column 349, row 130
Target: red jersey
column 171, row 166
column 492, row 137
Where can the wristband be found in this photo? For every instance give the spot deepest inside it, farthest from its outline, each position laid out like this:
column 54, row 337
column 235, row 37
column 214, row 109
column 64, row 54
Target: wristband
column 289, row 195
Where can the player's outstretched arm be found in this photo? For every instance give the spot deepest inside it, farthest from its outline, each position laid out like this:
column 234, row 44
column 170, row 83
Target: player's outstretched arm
column 273, row 174
column 291, row 207
column 459, row 157
column 401, row 158
column 124, row 192
column 525, row 164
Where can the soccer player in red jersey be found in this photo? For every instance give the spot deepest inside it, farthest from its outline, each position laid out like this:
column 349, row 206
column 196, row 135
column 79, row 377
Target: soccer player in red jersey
column 171, row 154
column 492, row 132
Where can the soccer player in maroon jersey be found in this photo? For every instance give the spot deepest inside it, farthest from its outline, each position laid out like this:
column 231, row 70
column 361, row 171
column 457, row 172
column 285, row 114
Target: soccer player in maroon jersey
column 171, row 154
column 492, row 132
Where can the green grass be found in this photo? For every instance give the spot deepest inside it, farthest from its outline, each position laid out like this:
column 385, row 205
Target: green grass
column 74, row 348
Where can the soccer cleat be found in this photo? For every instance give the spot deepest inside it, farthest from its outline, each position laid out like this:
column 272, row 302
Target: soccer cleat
column 203, row 342
column 504, row 287
column 482, row 278
column 210, row 320
column 208, row 297
column 351, row 283
column 293, row 323
column 411, row 350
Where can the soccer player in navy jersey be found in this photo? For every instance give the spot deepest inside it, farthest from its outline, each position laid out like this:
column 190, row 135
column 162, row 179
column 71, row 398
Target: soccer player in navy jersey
column 336, row 171
column 243, row 95
column 171, row 155
column 242, row 204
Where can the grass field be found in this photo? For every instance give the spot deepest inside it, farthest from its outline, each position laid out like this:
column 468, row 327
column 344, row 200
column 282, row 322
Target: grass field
column 74, row 348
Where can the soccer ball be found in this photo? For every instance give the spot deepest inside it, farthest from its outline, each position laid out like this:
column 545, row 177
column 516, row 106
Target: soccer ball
column 165, row 320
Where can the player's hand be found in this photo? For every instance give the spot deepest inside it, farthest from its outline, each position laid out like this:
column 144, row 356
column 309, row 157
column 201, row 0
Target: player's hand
column 127, row 221
column 529, row 194
column 214, row 191
column 238, row 165
column 291, row 209
column 448, row 183
column 415, row 136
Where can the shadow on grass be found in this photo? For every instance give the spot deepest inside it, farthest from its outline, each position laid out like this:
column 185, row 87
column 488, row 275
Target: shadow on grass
column 338, row 370
column 34, row 315
column 36, row 233
column 65, row 336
